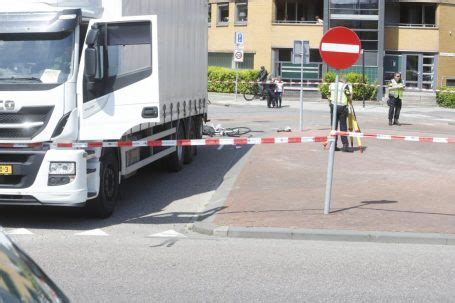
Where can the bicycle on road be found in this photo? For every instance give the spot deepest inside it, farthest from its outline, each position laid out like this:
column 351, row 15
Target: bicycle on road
column 213, row 131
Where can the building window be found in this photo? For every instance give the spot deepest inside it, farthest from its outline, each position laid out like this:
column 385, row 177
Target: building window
column 241, row 15
column 226, row 60
column 417, row 14
column 223, row 14
column 210, row 15
column 298, row 11
column 450, row 82
column 354, row 7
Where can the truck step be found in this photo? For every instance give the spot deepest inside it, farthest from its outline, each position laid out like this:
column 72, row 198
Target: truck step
column 91, row 171
column 91, row 195
column 90, row 154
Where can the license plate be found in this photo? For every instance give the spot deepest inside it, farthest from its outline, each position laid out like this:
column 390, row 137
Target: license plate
column 6, row 170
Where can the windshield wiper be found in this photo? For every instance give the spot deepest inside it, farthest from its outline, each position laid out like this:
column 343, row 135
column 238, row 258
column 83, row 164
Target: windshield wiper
column 22, row 79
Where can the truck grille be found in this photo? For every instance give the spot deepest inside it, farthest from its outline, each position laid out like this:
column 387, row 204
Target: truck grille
column 25, row 115
column 25, row 166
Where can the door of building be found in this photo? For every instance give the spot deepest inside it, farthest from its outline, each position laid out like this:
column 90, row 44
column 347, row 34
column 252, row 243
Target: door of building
column 420, row 71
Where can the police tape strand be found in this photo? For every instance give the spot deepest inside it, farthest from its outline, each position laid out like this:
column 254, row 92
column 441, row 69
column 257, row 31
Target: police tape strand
column 231, row 141
column 290, row 83
column 446, row 140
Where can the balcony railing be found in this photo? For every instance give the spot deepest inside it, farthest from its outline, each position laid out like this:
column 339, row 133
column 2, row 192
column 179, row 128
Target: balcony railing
column 296, row 22
column 411, row 25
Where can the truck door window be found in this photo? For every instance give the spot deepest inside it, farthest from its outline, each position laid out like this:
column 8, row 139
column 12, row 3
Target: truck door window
column 125, row 53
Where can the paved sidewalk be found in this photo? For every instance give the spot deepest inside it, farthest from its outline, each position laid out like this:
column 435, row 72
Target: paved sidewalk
column 394, row 191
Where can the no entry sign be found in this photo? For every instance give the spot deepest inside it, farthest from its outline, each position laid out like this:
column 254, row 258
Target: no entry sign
column 340, row 47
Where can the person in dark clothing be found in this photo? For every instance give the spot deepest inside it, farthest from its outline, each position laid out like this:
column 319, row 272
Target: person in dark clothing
column 270, row 87
column 263, row 74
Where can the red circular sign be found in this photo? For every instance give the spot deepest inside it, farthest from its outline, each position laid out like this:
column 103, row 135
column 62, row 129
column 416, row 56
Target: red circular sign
column 340, row 47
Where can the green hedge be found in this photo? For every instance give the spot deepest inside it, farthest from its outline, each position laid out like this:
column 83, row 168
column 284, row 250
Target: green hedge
column 446, row 97
column 370, row 91
column 218, row 74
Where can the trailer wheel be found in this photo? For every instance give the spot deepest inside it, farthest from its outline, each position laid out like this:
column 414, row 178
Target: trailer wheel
column 175, row 160
column 103, row 206
column 190, row 151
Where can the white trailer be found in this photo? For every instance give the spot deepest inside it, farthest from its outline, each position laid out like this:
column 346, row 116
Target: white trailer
column 83, row 70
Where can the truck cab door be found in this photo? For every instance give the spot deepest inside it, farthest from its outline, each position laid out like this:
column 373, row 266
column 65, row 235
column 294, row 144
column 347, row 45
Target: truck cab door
column 118, row 78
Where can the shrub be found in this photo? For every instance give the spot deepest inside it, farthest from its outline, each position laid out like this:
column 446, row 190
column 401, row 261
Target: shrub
column 446, row 97
column 359, row 89
column 222, row 80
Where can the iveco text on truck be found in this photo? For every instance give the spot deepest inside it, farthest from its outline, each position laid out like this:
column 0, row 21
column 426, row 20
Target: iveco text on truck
column 104, row 70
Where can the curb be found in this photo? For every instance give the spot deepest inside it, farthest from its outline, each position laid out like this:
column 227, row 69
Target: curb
column 211, row 229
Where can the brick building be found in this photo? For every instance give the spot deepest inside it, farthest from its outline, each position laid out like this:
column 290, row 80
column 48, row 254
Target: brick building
column 414, row 37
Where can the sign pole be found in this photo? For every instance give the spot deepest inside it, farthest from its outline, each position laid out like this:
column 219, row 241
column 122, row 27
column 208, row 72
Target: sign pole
column 236, row 79
column 340, row 48
column 328, row 187
column 364, row 87
column 301, row 90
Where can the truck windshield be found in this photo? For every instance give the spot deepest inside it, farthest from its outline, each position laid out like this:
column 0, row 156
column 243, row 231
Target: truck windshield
column 36, row 58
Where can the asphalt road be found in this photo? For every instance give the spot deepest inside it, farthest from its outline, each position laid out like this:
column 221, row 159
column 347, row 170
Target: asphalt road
column 145, row 252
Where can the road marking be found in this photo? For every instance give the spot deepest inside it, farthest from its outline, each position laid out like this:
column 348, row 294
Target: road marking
column 19, row 231
column 168, row 234
column 340, row 48
column 220, row 147
column 93, row 232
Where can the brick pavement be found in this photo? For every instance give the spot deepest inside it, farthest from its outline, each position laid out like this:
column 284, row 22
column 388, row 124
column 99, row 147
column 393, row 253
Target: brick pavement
column 392, row 186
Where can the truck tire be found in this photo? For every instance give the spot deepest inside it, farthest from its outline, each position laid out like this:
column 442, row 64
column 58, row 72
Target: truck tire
column 175, row 160
column 190, row 151
column 104, row 205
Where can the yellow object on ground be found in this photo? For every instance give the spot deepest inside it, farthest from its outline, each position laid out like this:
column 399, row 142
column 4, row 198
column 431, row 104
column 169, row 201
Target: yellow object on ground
column 353, row 126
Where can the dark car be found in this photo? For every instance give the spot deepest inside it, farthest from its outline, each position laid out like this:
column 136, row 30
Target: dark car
column 21, row 279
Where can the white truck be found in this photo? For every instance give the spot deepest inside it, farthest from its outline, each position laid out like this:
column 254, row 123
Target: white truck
column 96, row 70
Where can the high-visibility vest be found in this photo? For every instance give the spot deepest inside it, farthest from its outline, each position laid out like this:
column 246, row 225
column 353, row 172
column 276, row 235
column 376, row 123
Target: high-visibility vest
column 396, row 89
column 344, row 91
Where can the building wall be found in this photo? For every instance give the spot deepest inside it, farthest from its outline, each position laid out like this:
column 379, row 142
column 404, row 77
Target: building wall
column 446, row 66
column 257, row 32
column 411, row 39
column 283, row 36
column 261, row 35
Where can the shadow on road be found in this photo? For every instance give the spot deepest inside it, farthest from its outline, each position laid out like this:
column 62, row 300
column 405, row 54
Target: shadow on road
column 143, row 197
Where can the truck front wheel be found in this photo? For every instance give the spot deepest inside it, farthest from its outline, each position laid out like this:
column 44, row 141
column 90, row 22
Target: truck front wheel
column 104, row 205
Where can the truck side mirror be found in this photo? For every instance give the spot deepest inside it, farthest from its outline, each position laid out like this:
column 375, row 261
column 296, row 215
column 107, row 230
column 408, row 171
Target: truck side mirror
column 92, row 37
column 91, row 62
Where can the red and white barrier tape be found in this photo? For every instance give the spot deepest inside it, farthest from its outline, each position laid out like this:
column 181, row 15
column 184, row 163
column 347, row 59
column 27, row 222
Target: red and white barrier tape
column 167, row 143
column 328, row 83
column 446, row 140
column 231, row 141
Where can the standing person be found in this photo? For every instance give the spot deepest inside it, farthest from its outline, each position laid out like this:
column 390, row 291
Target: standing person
column 344, row 97
column 396, row 88
column 279, row 91
column 318, row 20
column 263, row 74
column 270, row 88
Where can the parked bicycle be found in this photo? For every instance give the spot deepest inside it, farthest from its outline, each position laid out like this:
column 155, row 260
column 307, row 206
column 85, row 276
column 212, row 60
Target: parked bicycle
column 254, row 93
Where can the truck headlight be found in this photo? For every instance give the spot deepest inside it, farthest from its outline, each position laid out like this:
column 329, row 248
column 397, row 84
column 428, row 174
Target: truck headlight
column 62, row 168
